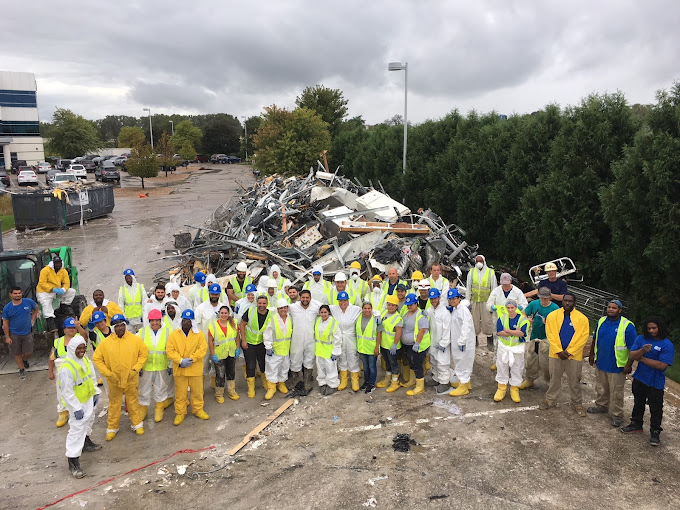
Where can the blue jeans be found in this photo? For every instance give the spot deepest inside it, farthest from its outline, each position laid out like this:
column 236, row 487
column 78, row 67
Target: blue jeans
column 370, row 368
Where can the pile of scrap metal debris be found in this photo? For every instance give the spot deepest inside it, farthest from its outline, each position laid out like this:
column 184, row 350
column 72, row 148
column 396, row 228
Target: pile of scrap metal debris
column 324, row 219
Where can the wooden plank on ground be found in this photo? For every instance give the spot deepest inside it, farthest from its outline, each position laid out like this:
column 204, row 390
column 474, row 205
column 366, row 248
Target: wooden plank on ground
column 261, row 426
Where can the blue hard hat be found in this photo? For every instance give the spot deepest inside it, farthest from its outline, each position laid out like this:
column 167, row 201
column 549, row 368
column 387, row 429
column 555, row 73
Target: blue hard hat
column 214, row 289
column 70, row 323
column 250, row 288
column 316, row 272
column 343, row 296
column 411, row 299
column 199, row 277
column 128, row 272
column 98, row 317
column 453, row 293
column 434, row 293
column 188, row 314
column 119, row 317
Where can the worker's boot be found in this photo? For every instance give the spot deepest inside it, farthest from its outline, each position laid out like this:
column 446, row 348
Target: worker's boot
column 426, row 364
column 263, row 378
column 100, row 382
column 329, row 391
column 343, row 380
column 219, row 395
column 110, row 435
column 394, row 384
column 500, row 392
column 309, row 379
column 420, row 387
column 251, row 387
column 179, row 418
column 231, row 390
column 514, row 394
column 386, row 381
column 282, row 388
column 62, row 419
column 526, row 384
column 139, row 431
column 159, row 412
column 89, row 446
column 382, row 363
column 489, row 343
column 74, row 467
column 405, row 373
column 411, row 381
column 213, row 384
column 355, row 380
column 168, row 402
column 51, row 324
column 294, row 378
column 144, row 410
column 271, row 390
column 461, row 390
column 493, row 367
column 454, row 384
column 201, row 415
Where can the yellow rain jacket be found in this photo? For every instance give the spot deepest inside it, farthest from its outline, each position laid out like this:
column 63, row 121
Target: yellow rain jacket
column 115, row 358
column 50, row 280
column 192, row 346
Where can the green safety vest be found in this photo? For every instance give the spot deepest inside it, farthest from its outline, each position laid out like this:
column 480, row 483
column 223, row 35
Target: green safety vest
column 167, row 321
column 255, row 334
column 83, row 387
column 620, row 349
column 425, row 342
column 379, row 305
column 225, row 345
column 481, row 291
column 402, row 310
column 240, row 290
column 158, row 358
column 366, row 339
column 132, row 306
column 204, row 295
column 323, row 346
column 445, row 284
column 332, row 296
column 363, row 286
column 61, row 348
column 386, row 286
column 281, row 281
column 100, row 336
column 389, row 325
column 512, row 341
column 281, row 340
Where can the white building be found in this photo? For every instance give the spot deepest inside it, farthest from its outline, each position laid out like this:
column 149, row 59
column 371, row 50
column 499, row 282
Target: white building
column 19, row 123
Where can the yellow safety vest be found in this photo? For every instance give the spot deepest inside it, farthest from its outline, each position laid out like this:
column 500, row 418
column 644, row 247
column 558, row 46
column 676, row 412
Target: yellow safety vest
column 445, row 284
column 133, row 306
column 380, row 304
column 240, row 290
column 389, row 323
column 620, row 348
column 255, row 334
column 367, row 338
column 425, row 342
column 61, row 348
column 363, row 286
column 332, row 296
column 281, row 341
column 158, row 358
column 100, row 336
column 512, row 341
column 83, row 387
column 323, row 347
column 480, row 292
column 225, row 345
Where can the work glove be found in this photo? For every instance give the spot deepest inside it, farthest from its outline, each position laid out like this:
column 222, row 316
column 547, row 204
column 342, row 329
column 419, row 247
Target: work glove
column 393, row 349
column 520, row 308
column 493, row 308
column 270, row 352
column 334, row 357
column 441, row 349
column 95, row 399
column 462, row 348
column 58, row 291
column 237, row 354
column 416, row 347
column 170, row 371
column 79, row 414
column 214, row 359
column 185, row 362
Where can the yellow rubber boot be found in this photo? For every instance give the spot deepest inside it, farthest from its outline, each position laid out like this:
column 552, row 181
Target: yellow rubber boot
column 271, row 390
column 469, row 386
column 110, row 436
column 179, row 418
column 420, row 388
column 144, row 410
column 264, row 381
column 454, row 384
column 514, row 394
column 426, row 363
column 385, row 382
column 355, row 380
column 213, row 384
column 140, row 431
column 251, row 387
column 62, row 419
column 493, row 367
column 394, row 384
column 282, row 387
column 158, row 412
column 405, row 373
column 343, row 380
column 526, row 384
column 202, row 415
column 231, row 390
column 461, row 390
column 411, row 381
column 219, row 395
column 500, row 392
column 168, row 402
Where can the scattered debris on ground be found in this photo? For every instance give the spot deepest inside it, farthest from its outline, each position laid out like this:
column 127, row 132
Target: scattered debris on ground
column 403, row 442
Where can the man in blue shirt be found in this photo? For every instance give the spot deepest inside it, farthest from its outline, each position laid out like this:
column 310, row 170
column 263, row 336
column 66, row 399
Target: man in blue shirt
column 654, row 352
column 557, row 286
column 18, row 318
column 609, row 350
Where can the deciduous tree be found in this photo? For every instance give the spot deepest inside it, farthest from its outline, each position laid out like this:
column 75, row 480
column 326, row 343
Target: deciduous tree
column 71, row 135
column 143, row 163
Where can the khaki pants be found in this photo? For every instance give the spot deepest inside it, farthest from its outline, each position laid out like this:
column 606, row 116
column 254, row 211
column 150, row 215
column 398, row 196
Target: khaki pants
column 482, row 319
column 609, row 391
column 537, row 364
column 573, row 369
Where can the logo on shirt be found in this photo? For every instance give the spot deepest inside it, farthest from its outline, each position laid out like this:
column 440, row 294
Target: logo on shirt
column 657, row 347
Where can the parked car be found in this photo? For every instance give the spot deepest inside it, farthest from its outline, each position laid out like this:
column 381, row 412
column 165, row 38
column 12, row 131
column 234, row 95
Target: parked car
column 107, row 173
column 217, row 158
column 200, row 158
column 88, row 164
column 27, row 177
column 44, row 167
column 179, row 161
column 91, row 157
column 61, row 177
column 50, row 175
column 119, row 161
column 62, row 164
column 4, row 178
column 18, row 163
column 232, row 159
column 77, row 170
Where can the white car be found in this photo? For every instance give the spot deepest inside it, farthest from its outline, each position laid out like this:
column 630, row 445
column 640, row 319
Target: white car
column 77, row 170
column 44, row 167
column 27, row 177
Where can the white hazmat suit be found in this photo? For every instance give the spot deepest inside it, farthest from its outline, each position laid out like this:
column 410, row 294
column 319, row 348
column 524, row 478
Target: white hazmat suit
column 302, row 345
column 349, row 356
column 462, row 334
column 440, row 324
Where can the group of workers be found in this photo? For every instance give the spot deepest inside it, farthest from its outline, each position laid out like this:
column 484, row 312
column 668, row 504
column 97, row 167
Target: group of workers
column 153, row 350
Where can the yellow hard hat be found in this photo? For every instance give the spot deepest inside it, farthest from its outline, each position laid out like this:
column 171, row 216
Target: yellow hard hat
column 550, row 266
column 417, row 275
column 393, row 299
column 376, row 278
column 355, row 265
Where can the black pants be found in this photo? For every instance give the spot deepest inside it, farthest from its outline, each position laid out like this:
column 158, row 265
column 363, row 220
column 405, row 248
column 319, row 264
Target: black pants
column 647, row 395
column 224, row 370
column 254, row 354
column 415, row 360
column 391, row 362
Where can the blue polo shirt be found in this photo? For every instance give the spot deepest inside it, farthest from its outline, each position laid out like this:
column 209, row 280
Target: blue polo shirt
column 663, row 351
column 566, row 331
column 605, row 337
column 512, row 324
column 19, row 316
column 559, row 286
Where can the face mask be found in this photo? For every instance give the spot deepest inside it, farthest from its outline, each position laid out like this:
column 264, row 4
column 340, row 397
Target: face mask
column 479, row 265
column 377, row 290
column 355, row 277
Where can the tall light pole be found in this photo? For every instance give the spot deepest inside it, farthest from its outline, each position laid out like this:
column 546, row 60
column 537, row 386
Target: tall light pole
column 398, row 66
column 172, row 127
column 150, row 126
column 245, row 126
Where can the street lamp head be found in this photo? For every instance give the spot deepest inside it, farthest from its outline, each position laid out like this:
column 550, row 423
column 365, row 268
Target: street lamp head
column 147, row 109
column 396, row 66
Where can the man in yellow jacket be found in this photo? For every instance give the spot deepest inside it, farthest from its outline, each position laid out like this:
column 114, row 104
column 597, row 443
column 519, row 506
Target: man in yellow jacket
column 119, row 358
column 186, row 348
column 99, row 304
column 567, row 332
column 54, row 283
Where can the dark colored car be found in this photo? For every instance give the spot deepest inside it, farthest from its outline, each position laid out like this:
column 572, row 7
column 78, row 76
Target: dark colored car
column 18, row 163
column 89, row 165
column 232, row 159
column 107, row 173
column 62, row 164
column 4, row 178
column 217, row 158
column 200, row 158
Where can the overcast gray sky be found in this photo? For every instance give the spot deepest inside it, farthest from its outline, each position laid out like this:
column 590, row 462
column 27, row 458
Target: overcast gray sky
column 98, row 57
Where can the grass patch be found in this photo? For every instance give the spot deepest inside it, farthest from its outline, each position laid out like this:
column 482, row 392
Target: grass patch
column 6, row 204
column 7, row 222
column 673, row 371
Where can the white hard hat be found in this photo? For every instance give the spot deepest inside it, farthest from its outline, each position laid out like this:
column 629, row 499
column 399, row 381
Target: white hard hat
column 423, row 284
column 280, row 303
column 340, row 277
column 241, row 267
column 271, row 283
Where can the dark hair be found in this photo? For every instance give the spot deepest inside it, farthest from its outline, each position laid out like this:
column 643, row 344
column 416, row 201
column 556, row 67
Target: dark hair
column 16, row 287
column 655, row 319
column 262, row 297
column 305, row 291
column 570, row 294
column 97, row 290
column 159, row 286
column 325, row 307
column 230, row 320
column 294, row 287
